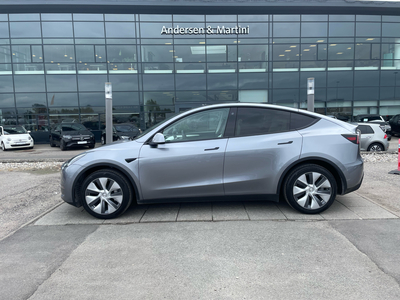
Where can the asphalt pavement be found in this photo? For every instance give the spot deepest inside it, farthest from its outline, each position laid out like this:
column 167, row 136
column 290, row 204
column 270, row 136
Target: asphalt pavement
column 233, row 250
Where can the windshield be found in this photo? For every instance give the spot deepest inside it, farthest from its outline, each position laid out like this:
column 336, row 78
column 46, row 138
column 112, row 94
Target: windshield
column 124, row 128
column 73, row 127
column 14, row 130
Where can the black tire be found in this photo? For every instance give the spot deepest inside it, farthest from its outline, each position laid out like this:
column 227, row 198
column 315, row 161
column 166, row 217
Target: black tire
column 118, row 205
column 103, row 140
column 375, row 147
column 62, row 146
column 3, row 147
column 310, row 198
column 52, row 144
column 91, row 146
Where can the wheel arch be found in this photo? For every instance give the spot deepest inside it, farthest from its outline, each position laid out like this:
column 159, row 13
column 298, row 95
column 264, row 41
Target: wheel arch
column 325, row 163
column 96, row 167
column 376, row 142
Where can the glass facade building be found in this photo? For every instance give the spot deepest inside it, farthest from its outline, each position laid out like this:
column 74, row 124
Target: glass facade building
column 53, row 66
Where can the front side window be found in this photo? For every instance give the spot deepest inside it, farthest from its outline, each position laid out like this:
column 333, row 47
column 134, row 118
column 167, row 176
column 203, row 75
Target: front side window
column 255, row 121
column 203, row 125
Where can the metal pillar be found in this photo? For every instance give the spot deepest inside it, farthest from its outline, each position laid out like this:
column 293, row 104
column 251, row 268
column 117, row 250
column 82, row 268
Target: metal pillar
column 310, row 94
column 109, row 121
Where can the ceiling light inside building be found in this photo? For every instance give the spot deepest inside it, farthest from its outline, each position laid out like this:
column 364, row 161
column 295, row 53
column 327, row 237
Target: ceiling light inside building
column 339, row 53
column 306, row 50
column 313, row 45
column 210, row 49
column 320, row 41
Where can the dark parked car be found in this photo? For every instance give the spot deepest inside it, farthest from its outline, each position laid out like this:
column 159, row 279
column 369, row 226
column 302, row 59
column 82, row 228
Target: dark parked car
column 67, row 135
column 395, row 124
column 125, row 131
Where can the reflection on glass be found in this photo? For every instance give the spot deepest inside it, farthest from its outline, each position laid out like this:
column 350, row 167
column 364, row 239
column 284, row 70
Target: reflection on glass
column 189, row 53
column 122, row 68
column 192, row 82
column 253, row 53
column 89, row 29
column 286, row 29
column 125, row 98
column 92, row 83
column 6, row 85
column 120, row 30
column 253, row 67
column 157, row 82
column 62, row 99
column 221, row 81
column 121, row 53
column 340, row 51
column 225, row 67
column 92, row 68
column 3, row 30
column 253, row 81
column 193, row 96
column 124, row 82
column 152, row 53
column 60, row 68
column 28, row 69
column 190, row 68
column 157, row 68
column 37, row 101
column 59, row 53
column 25, row 29
column 218, row 96
column 57, row 29
column 29, row 83
column 286, row 52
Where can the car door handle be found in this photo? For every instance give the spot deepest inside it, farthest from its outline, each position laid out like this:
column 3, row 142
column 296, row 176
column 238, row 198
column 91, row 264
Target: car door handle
column 209, row 149
column 285, row 143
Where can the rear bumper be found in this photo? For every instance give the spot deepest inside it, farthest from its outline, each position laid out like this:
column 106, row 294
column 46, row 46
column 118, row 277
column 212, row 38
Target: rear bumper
column 354, row 176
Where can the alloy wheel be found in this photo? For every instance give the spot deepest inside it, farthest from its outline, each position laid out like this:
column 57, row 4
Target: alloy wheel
column 312, row 190
column 376, row 147
column 103, row 196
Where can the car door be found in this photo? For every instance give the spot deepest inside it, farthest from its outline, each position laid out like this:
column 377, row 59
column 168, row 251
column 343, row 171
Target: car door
column 366, row 135
column 395, row 124
column 190, row 163
column 262, row 147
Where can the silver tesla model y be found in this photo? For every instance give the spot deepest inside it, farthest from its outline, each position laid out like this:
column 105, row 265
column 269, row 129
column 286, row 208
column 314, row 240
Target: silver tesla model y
column 235, row 151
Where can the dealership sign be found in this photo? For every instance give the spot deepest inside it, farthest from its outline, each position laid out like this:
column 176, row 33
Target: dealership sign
column 177, row 30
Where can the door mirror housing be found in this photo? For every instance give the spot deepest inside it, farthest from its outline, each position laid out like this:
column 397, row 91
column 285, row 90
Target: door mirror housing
column 157, row 139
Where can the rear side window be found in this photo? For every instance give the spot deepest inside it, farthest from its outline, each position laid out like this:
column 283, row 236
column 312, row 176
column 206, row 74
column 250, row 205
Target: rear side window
column 255, row 121
column 299, row 121
column 365, row 129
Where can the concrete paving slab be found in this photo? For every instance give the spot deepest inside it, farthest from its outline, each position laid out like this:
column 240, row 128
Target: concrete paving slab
column 264, row 211
column 195, row 212
column 338, row 211
column 232, row 211
column 373, row 213
column 161, row 213
column 379, row 239
column 353, row 200
column 68, row 214
column 218, row 260
column 32, row 254
column 292, row 214
column 133, row 215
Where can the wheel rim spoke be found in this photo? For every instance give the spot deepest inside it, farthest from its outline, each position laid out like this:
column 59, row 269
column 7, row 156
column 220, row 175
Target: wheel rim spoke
column 104, row 196
column 312, row 190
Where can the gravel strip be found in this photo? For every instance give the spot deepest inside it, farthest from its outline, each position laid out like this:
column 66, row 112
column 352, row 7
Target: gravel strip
column 31, row 166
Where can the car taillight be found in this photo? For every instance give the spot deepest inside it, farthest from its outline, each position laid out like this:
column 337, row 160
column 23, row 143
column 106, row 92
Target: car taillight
column 354, row 138
column 385, row 137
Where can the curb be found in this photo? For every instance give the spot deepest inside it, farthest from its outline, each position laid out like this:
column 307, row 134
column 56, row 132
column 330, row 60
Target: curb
column 21, row 160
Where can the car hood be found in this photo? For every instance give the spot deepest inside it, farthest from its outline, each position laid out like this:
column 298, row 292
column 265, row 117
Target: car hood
column 23, row 136
column 77, row 132
column 123, row 145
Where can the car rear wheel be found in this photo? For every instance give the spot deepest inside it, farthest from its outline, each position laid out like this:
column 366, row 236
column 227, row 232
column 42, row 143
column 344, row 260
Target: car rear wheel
column 106, row 194
column 375, row 147
column 310, row 189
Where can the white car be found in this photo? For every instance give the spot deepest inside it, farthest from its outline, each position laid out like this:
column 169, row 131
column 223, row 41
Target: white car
column 15, row 136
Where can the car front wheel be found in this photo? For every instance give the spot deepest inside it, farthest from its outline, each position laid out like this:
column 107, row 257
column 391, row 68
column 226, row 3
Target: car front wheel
column 310, row 189
column 106, row 194
column 3, row 147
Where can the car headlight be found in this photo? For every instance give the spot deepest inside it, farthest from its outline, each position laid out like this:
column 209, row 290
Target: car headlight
column 72, row 160
column 67, row 137
column 9, row 139
column 29, row 138
column 124, row 137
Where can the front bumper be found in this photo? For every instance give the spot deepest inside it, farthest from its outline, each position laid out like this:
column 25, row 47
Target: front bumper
column 73, row 143
column 13, row 145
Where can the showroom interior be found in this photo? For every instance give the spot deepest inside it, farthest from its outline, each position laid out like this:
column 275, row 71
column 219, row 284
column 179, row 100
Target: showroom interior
column 163, row 59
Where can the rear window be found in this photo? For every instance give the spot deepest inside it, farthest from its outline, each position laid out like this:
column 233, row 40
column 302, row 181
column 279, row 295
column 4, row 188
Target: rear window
column 300, row 121
column 365, row 129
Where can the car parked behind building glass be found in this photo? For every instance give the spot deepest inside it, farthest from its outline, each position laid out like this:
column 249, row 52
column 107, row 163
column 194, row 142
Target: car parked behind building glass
column 14, row 137
column 67, row 135
column 221, row 152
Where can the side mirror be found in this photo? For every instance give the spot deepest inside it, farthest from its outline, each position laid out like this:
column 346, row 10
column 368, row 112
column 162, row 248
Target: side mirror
column 157, row 139
column 29, row 131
